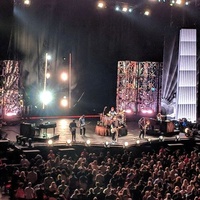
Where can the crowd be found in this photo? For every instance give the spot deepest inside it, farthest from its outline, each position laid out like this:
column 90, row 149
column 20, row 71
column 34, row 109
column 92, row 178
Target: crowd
column 161, row 175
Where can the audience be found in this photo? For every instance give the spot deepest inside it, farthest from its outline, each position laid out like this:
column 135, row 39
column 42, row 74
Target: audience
column 160, row 175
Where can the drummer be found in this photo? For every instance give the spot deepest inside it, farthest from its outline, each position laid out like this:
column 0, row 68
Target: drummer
column 112, row 113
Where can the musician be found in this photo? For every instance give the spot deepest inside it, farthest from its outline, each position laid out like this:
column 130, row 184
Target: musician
column 112, row 112
column 143, row 125
column 141, row 135
column 73, row 127
column 114, row 129
column 82, row 125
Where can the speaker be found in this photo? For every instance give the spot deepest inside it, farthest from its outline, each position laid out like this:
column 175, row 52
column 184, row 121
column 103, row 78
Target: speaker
column 123, row 132
column 26, row 130
column 167, row 127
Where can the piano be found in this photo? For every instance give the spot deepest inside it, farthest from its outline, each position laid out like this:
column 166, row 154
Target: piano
column 46, row 126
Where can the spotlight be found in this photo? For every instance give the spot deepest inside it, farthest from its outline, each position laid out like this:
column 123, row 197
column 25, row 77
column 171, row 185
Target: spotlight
column 117, row 8
column 64, row 102
column 161, row 138
column 50, row 142
column 69, row 142
column 149, row 140
column 125, row 9
column 179, row 2
column 88, row 142
column 187, row 3
column 101, row 4
column 106, row 144
column 130, row 10
column 138, row 142
column 125, row 144
column 147, row 12
column 27, row 2
column 177, row 138
column 188, row 132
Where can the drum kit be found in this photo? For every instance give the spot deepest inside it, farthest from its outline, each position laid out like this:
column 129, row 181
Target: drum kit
column 107, row 119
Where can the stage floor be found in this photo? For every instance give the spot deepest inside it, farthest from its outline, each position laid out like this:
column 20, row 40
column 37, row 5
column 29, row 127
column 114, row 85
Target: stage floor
column 63, row 134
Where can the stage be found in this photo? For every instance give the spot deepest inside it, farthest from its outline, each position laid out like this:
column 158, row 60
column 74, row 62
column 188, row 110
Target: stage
column 92, row 141
column 61, row 134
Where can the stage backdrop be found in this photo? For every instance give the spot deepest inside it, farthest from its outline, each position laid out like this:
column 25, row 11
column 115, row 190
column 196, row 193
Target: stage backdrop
column 138, row 86
column 11, row 99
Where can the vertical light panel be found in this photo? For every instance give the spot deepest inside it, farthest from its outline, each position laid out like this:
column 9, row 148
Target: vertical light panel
column 186, row 104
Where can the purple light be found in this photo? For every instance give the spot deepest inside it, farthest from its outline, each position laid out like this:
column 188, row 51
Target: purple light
column 11, row 114
column 128, row 111
column 147, row 111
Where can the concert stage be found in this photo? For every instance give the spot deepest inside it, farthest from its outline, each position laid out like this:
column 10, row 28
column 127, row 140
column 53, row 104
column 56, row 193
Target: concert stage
column 62, row 134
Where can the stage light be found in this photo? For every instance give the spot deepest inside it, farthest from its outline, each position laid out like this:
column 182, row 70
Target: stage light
column 147, row 12
column 125, row 9
column 101, row 4
column 149, row 140
column 48, row 75
column 187, row 3
column 117, row 8
column 46, row 97
column 50, row 142
column 64, row 102
column 88, row 142
column 106, row 144
column 48, row 56
column 179, row 2
column 161, row 138
column 69, row 142
column 138, row 142
column 128, row 111
column 147, row 111
column 130, row 10
column 27, row 2
column 177, row 138
column 125, row 144
column 9, row 114
column 187, row 130
column 64, row 76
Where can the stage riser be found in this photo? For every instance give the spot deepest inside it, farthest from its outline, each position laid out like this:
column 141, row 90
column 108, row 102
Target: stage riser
column 104, row 131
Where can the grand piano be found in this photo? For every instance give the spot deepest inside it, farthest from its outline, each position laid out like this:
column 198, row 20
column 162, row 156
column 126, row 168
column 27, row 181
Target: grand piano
column 43, row 127
column 31, row 130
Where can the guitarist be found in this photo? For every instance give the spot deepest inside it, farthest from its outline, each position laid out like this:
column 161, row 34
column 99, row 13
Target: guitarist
column 72, row 127
column 114, row 129
column 82, row 125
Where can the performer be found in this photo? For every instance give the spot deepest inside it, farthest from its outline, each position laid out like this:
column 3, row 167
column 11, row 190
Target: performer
column 143, row 125
column 114, row 129
column 141, row 135
column 112, row 112
column 82, row 125
column 73, row 127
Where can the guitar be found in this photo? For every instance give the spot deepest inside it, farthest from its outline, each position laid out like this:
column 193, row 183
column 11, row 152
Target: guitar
column 114, row 129
column 83, row 125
